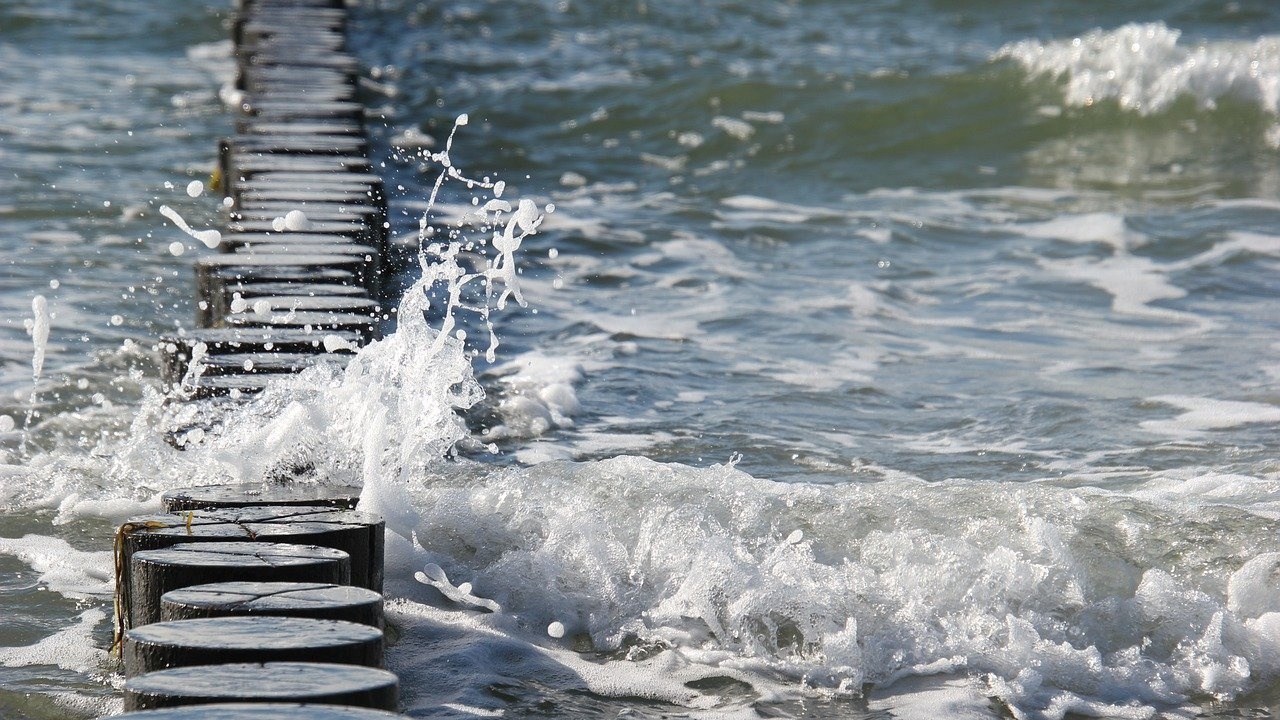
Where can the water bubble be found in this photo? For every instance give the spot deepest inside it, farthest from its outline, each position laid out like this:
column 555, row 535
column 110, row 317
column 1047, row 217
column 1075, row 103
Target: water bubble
column 117, row 320
column 553, row 253
column 82, row 383
column 556, row 629
column 277, row 224
column 176, row 248
column 296, row 220
column 333, row 343
column 54, row 284
column 195, row 188
column 795, row 537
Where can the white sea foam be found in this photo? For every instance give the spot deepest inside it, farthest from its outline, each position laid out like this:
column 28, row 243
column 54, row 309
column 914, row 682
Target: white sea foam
column 1147, row 67
column 63, row 569
column 70, row 648
column 538, row 395
column 680, row 573
column 1102, row 227
column 1201, row 414
column 1133, row 282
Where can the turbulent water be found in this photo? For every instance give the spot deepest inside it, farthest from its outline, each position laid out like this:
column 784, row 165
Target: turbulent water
column 880, row 360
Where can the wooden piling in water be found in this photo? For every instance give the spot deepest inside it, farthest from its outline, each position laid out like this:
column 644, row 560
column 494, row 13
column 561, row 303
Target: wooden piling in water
column 297, row 282
column 320, row 601
column 272, row 682
column 259, row 639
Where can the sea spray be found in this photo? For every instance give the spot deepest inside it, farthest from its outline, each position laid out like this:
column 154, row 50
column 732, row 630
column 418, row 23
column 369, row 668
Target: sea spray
column 391, row 412
column 38, row 326
column 439, row 260
column 210, row 238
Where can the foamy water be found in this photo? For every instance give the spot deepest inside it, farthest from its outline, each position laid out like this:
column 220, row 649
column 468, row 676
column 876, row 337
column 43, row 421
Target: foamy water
column 875, row 363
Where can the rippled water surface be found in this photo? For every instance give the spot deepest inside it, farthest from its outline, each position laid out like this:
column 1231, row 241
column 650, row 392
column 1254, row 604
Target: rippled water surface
column 881, row 359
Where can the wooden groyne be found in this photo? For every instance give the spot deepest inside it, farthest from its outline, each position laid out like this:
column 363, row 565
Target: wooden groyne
column 298, row 278
column 253, row 602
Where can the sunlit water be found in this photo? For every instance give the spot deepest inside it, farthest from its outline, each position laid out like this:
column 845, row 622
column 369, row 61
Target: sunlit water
column 881, row 359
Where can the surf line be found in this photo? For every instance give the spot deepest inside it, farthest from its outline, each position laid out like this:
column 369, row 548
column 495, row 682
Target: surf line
column 270, row 594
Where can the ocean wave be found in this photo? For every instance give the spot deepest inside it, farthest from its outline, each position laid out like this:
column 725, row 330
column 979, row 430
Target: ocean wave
column 1147, row 67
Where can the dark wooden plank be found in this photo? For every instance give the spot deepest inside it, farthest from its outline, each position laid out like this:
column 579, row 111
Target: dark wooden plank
column 263, row 711
column 176, row 350
column 256, row 639
column 318, row 601
column 153, row 572
column 239, row 495
column 268, row 363
column 327, row 686
column 358, row 534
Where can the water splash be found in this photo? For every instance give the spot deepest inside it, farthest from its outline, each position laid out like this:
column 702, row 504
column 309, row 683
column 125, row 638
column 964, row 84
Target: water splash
column 439, row 261
column 210, row 238
column 38, row 326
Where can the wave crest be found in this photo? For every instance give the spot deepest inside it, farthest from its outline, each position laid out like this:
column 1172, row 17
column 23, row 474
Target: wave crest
column 1145, row 68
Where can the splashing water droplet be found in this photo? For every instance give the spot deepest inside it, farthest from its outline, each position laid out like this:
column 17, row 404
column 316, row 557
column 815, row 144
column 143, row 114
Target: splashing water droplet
column 39, row 333
column 296, row 220
column 211, row 238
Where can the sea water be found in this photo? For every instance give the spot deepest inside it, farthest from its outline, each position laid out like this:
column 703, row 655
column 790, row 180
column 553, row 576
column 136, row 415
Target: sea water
column 885, row 359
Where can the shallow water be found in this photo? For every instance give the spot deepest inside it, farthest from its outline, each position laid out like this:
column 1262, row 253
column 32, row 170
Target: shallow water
column 883, row 359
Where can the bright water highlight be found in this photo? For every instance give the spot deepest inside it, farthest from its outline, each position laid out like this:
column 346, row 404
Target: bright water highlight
column 880, row 359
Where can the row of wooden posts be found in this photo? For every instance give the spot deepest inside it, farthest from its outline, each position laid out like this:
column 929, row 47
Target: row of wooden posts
column 246, row 602
column 300, row 273
column 244, row 594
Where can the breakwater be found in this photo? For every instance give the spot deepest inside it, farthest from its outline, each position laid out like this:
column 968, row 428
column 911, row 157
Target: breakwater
column 269, row 594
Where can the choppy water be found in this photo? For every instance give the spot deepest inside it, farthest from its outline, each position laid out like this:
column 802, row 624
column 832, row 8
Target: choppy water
column 882, row 359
